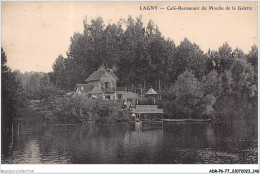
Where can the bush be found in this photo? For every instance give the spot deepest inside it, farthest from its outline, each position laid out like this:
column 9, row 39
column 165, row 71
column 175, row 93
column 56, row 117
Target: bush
column 92, row 110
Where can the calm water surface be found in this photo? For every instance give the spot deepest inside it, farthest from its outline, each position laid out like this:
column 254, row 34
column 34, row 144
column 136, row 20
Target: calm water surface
column 174, row 143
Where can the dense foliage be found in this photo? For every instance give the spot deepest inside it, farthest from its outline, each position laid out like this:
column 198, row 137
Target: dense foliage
column 140, row 54
column 12, row 94
column 218, row 84
column 45, row 102
column 81, row 109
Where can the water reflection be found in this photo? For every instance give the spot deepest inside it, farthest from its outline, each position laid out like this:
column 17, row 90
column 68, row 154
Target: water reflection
column 122, row 143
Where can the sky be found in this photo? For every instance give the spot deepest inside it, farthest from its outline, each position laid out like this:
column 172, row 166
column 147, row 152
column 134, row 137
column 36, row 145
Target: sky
column 35, row 33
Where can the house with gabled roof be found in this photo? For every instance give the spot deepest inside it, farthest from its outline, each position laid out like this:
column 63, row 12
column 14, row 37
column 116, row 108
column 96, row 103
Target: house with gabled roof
column 100, row 84
column 103, row 84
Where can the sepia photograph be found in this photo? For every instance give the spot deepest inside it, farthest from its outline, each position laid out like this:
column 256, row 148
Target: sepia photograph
column 123, row 82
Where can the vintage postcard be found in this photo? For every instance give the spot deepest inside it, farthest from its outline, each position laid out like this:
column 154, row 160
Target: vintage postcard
column 123, row 82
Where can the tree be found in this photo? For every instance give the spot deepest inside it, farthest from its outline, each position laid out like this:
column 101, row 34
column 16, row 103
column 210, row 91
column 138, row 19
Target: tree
column 11, row 94
column 188, row 93
column 212, row 84
column 225, row 51
column 238, row 54
column 252, row 57
column 59, row 75
column 140, row 53
column 194, row 83
column 4, row 67
column 238, row 100
column 190, row 56
column 225, row 58
column 243, row 75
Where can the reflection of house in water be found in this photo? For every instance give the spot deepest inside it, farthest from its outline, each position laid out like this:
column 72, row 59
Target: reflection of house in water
column 103, row 84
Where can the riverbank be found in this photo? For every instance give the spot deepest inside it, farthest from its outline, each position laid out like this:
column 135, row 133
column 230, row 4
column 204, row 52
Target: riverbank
column 35, row 111
column 73, row 111
column 76, row 111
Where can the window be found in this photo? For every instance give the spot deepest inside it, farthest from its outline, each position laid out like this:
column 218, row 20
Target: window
column 107, row 84
column 119, row 96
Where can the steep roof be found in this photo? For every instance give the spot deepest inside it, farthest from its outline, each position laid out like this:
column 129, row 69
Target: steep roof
column 114, row 75
column 102, row 69
column 95, row 76
column 151, row 91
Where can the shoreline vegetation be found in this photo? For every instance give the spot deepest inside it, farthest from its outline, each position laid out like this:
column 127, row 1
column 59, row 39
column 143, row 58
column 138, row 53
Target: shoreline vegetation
column 220, row 85
column 74, row 111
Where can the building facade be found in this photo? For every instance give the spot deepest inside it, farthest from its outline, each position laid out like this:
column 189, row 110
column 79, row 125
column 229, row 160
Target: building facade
column 103, row 84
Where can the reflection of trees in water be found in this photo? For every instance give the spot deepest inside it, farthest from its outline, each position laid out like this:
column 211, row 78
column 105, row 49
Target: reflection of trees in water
column 21, row 142
column 188, row 135
column 118, row 143
column 209, row 143
column 113, row 143
column 143, row 146
column 25, row 151
column 31, row 153
column 180, row 141
column 234, row 136
column 34, row 149
column 92, row 142
column 53, row 145
column 108, row 143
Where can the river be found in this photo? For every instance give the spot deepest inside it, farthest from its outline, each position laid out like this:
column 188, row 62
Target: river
column 122, row 143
